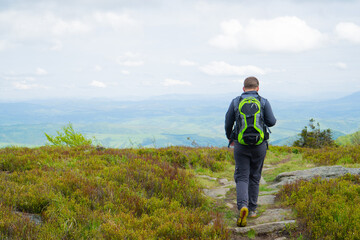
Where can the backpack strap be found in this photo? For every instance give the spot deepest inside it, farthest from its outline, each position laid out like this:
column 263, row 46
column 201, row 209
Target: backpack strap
column 263, row 103
column 236, row 102
column 235, row 130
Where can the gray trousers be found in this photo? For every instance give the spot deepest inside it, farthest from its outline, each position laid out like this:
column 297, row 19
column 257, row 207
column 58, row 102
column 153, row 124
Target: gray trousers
column 249, row 162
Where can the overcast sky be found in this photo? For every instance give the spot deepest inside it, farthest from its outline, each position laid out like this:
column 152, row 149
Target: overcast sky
column 135, row 49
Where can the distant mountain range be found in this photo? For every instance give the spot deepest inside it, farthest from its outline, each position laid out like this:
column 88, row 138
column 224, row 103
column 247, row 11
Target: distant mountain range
column 165, row 120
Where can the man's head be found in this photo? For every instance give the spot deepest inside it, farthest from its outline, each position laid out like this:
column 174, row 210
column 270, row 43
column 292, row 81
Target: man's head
column 251, row 84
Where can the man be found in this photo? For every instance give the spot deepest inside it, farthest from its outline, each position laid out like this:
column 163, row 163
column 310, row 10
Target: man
column 249, row 159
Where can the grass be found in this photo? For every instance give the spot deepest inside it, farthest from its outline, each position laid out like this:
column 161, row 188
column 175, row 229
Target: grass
column 283, row 159
column 265, row 188
column 207, row 183
column 227, row 172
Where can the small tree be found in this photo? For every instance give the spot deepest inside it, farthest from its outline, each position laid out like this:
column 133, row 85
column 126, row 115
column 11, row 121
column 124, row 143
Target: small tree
column 68, row 137
column 314, row 137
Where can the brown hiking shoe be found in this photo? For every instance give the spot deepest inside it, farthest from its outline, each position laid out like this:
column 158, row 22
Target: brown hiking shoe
column 241, row 222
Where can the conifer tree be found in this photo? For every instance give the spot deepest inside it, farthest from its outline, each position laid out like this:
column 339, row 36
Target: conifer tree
column 313, row 137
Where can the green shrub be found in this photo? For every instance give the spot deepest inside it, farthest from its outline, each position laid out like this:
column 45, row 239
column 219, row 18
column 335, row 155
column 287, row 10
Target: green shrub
column 314, row 137
column 326, row 209
column 68, row 137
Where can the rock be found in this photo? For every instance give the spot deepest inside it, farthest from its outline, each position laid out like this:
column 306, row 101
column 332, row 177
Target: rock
column 230, row 205
column 262, row 181
column 216, row 192
column 263, row 200
column 227, row 183
column 323, row 172
column 280, row 238
column 231, row 184
column 211, row 223
column 35, row 218
column 207, row 177
column 223, row 181
column 264, row 228
column 266, row 199
column 272, row 215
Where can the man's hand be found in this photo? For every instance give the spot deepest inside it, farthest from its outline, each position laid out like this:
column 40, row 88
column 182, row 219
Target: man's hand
column 231, row 143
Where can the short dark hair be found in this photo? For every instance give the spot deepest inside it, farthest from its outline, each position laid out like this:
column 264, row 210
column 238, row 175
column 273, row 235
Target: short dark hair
column 251, row 83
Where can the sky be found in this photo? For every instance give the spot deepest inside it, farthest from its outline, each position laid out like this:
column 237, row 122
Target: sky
column 117, row 49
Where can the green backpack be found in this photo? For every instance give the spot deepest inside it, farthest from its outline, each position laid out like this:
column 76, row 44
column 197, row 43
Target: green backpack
column 250, row 121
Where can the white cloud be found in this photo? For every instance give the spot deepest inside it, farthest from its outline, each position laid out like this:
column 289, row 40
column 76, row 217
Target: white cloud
column 146, row 83
column 23, row 85
column 281, row 34
column 340, row 65
column 98, row 84
column 187, row 63
column 25, row 24
column 130, row 59
column 57, row 45
column 3, row 45
column 131, row 63
column 173, row 82
column 16, row 77
column 41, row 71
column 125, row 72
column 225, row 69
column 61, row 27
column 116, row 21
column 231, row 27
column 348, row 31
column 231, row 33
column 98, row 68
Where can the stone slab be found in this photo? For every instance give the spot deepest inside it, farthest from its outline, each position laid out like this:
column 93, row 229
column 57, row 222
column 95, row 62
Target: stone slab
column 266, row 200
column 271, row 215
column 264, row 228
column 323, row 172
column 216, row 192
column 207, row 177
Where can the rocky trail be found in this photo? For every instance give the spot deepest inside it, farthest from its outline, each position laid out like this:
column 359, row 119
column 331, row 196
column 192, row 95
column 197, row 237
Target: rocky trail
column 272, row 221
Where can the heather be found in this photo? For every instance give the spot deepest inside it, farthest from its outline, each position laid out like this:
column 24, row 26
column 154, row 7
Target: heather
column 333, row 155
column 87, row 192
column 326, row 209
column 336, row 155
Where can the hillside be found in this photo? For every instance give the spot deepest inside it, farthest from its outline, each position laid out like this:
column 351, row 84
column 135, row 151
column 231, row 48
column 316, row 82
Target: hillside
column 164, row 121
column 104, row 193
column 349, row 139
